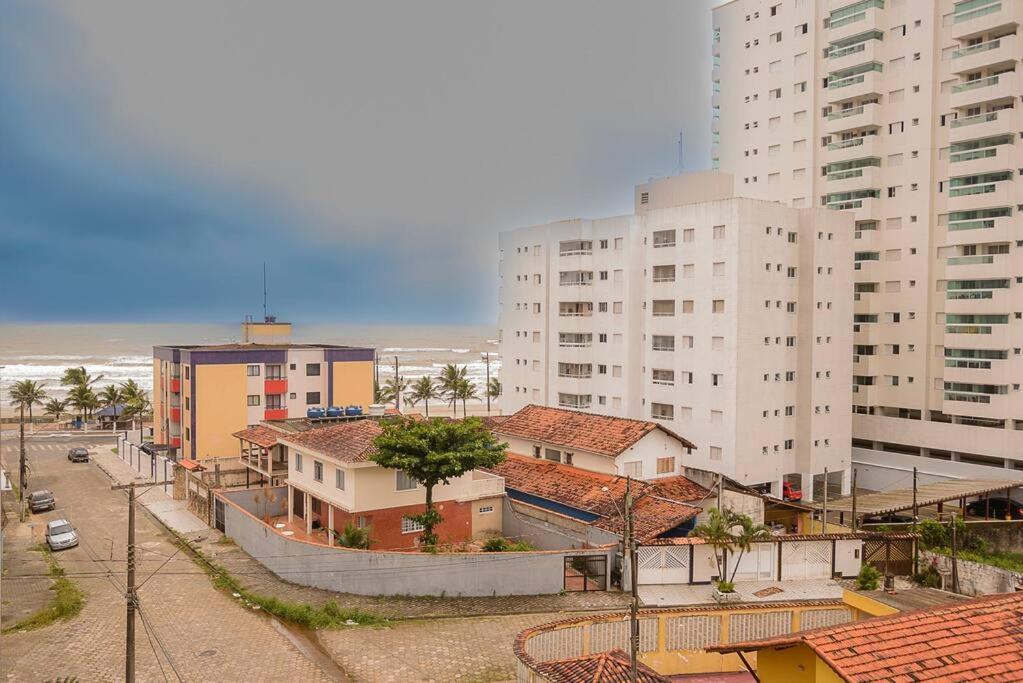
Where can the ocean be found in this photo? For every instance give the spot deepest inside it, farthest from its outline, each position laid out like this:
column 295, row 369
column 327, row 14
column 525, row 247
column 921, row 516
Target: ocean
column 125, row 351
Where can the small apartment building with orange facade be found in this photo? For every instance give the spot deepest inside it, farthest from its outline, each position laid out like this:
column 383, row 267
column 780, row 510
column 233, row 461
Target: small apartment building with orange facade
column 203, row 394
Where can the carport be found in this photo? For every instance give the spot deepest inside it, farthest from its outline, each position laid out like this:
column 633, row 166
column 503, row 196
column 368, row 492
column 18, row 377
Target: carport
column 912, row 499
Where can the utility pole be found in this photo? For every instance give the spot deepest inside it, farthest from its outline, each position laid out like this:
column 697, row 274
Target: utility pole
column 721, row 483
column 397, row 387
column 633, row 580
column 21, row 466
column 916, row 512
column 854, row 501
column 486, row 357
column 130, row 596
column 955, row 562
column 824, row 512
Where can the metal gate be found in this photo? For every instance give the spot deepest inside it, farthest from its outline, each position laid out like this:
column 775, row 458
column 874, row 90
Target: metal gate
column 757, row 564
column 218, row 515
column 899, row 553
column 663, row 564
column 806, row 560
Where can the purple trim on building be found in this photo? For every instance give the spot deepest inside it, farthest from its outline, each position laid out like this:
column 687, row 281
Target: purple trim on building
column 166, row 353
column 330, row 384
column 349, row 354
column 239, row 357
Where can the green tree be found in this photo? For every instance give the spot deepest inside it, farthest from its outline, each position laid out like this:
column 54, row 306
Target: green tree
column 465, row 390
column 111, row 397
column 392, row 390
column 56, row 408
column 745, row 532
column 494, row 388
column 717, row 533
column 447, row 383
column 433, row 452
column 423, row 389
column 82, row 399
column 25, row 394
column 353, row 537
column 78, row 377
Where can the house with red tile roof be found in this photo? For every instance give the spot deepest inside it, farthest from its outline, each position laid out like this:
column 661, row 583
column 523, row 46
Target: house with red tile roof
column 972, row 640
column 613, row 666
column 599, row 443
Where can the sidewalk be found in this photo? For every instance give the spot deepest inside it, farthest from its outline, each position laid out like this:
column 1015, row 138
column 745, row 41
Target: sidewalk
column 173, row 513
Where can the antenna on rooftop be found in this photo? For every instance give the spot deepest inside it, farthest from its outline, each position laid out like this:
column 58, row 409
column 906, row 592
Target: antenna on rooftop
column 681, row 153
column 266, row 314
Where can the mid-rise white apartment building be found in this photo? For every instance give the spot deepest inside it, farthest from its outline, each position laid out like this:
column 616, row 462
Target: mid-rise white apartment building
column 902, row 113
column 723, row 318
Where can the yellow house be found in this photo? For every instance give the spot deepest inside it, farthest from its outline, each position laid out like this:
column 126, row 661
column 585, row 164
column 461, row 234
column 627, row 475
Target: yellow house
column 204, row 394
column 971, row 640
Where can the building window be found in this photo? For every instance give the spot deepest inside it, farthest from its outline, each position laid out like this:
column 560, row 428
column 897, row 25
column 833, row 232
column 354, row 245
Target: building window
column 486, row 509
column 312, row 369
column 718, row 306
column 339, row 479
column 312, row 398
column 317, row 471
column 552, row 454
column 186, row 372
column 666, row 465
column 662, row 411
column 252, row 370
column 298, row 462
column 633, row 468
column 187, row 403
column 188, row 434
column 273, row 402
column 273, row 372
column 536, row 451
column 715, row 452
column 410, row 526
column 253, row 399
column 403, row 482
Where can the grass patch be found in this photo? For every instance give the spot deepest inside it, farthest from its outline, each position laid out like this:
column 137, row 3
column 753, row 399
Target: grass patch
column 1003, row 560
column 68, row 599
column 224, row 540
column 328, row 615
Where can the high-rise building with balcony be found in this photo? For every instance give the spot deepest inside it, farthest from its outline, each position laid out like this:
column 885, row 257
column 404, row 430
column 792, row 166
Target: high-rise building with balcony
column 709, row 313
column 203, row 394
column 902, row 113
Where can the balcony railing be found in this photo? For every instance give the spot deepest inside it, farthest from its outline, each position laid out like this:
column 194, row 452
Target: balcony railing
column 577, row 252
column 843, row 175
column 973, row 155
column 575, row 345
column 971, row 225
column 843, row 113
column 975, row 84
column 974, row 49
column 841, row 83
column 979, row 118
column 844, row 144
column 970, row 260
column 985, row 188
column 577, row 375
column 846, row 51
column 965, row 11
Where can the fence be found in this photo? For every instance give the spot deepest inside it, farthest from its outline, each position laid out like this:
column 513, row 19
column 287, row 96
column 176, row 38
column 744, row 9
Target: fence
column 674, row 641
column 149, row 466
column 376, row 572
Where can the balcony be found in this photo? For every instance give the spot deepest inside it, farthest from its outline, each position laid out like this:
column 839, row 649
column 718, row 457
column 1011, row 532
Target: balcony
column 485, row 485
column 175, row 385
column 983, row 159
column 175, row 414
column 853, row 18
column 275, row 414
column 275, row 386
column 174, row 441
column 974, row 57
column 981, row 195
column 575, row 309
column 853, row 179
column 857, row 85
column 982, row 125
column 863, row 116
column 978, row 16
column 853, row 148
column 990, row 88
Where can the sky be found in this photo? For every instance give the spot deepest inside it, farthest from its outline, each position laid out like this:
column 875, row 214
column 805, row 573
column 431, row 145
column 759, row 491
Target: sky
column 154, row 155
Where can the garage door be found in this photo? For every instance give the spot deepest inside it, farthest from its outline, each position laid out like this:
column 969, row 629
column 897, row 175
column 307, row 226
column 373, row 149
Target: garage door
column 758, row 564
column 661, row 565
column 806, row 560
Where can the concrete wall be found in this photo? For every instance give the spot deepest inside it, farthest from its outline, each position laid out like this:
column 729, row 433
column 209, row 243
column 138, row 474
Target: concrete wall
column 367, row 572
column 879, row 470
column 548, row 530
column 1002, row 535
column 975, row 579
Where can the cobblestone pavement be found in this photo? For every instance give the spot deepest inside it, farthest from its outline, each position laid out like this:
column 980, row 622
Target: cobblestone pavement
column 26, row 596
column 200, row 633
column 258, row 578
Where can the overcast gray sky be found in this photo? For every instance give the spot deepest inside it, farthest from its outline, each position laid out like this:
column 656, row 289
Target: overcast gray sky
column 383, row 143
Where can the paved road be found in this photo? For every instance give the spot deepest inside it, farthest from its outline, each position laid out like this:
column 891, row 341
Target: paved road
column 189, row 631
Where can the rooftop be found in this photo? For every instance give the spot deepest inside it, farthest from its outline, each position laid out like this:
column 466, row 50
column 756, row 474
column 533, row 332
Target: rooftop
column 973, row 640
column 260, row 435
column 613, row 666
column 345, row 441
column 926, row 494
column 600, row 434
column 253, row 347
column 916, row 598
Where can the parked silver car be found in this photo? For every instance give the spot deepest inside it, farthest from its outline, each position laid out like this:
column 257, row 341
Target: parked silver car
column 78, row 455
column 40, row 501
column 61, row 535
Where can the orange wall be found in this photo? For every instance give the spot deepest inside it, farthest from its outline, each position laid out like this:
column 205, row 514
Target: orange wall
column 220, row 409
column 353, row 383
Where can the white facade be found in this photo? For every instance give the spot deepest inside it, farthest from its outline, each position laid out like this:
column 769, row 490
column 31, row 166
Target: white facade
column 711, row 313
column 901, row 112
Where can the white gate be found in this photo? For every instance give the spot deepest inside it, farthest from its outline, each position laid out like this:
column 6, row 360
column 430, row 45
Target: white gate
column 663, row 564
column 806, row 560
column 757, row 564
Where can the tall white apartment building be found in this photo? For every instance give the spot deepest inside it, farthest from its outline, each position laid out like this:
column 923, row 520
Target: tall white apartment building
column 902, row 113
column 720, row 316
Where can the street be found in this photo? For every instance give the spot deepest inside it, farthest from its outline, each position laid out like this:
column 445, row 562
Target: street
column 187, row 630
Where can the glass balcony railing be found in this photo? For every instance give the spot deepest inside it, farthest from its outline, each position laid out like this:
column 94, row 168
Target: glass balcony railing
column 975, row 294
column 973, row 155
column 974, row 49
column 968, row 329
column 979, row 118
column 975, row 84
column 971, row 225
column 846, row 51
column 845, row 21
column 970, row 260
column 842, row 175
column 965, row 11
column 845, row 144
column 845, row 82
column 971, row 190
column 844, row 113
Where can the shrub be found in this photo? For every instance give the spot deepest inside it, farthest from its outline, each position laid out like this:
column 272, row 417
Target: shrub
column 726, row 586
column 928, row 578
column 868, row 579
column 500, row 544
column 354, row 537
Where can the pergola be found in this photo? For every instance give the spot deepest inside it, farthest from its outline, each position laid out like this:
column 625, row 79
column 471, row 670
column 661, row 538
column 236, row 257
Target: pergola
column 937, row 493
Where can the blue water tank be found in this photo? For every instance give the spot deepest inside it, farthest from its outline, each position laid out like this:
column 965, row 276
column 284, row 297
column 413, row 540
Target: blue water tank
column 353, row 410
column 334, row 411
column 314, row 412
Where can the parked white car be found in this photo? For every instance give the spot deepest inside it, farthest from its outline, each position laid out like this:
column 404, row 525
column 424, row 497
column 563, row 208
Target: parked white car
column 60, row 535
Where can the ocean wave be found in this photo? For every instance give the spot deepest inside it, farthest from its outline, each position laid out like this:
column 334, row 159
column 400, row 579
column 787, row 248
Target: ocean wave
column 422, row 349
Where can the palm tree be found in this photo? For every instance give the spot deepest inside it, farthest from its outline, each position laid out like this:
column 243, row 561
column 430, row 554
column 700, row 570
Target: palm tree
column 111, row 397
column 25, row 394
column 78, row 377
column 392, row 390
column 465, row 390
column 748, row 533
column 717, row 533
column 494, row 388
column 137, row 406
column 447, row 383
column 82, row 398
column 56, row 408
column 423, row 389
column 131, row 389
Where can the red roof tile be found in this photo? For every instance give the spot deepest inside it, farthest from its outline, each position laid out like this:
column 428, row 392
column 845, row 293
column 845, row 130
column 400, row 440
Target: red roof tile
column 344, row 441
column 656, row 511
column 612, row 666
column 599, row 434
column 973, row 640
column 260, row 435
